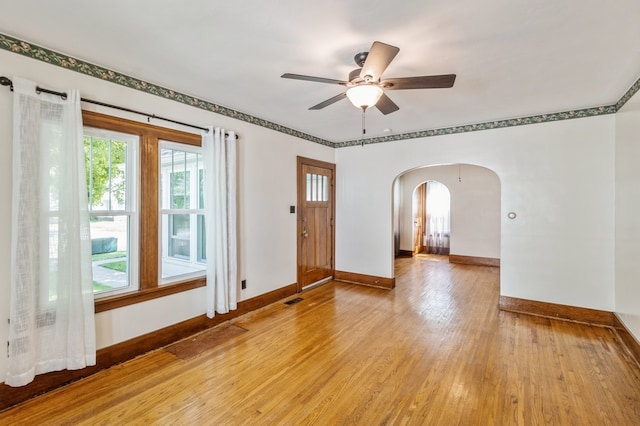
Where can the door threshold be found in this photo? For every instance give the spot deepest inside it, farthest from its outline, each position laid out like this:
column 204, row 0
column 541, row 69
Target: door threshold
column 317, row 283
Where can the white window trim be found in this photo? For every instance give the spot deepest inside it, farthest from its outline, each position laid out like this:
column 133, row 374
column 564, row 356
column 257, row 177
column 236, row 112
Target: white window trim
column 131, row 206
column 193, row 212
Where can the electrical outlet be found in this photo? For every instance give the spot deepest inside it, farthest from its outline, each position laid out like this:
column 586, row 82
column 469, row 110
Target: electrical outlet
column 243, row 284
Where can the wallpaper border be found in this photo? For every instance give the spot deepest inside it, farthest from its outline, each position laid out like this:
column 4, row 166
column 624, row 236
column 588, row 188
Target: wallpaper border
column 628, row 94
column 499, row 124
column 34, row 51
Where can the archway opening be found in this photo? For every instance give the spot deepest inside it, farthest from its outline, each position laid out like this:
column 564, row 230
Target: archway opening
column 475, row 196
column 431, row 209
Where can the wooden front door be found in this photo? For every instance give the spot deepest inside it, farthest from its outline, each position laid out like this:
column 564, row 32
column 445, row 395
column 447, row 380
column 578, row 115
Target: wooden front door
column 315, row 221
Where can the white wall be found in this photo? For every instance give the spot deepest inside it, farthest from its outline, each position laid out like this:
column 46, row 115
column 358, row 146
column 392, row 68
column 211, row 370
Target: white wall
column 475, row 207
column 267, row 187
column 398, row 201
column 558, row 177
column 627, row 290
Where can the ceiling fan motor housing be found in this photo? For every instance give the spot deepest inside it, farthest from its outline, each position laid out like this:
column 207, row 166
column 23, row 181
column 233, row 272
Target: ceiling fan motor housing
column 360, row 58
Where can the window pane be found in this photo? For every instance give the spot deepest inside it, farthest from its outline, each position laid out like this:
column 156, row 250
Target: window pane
column 191, row 165
column 178, row 190
column 314, row 187
column 325, row 189
column 176, row 256
column 201, row 188
column 182, row 179
column 106, row 164
column 176, row 187
column 179, row 231
column 110, row 253
column 202, row 241
column 118, row 175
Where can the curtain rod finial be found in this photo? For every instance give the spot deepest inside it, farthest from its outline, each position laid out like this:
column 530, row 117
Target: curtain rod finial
column 5, row 81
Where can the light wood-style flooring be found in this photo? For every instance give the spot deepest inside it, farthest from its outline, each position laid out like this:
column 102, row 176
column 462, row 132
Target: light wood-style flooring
column 434, row 351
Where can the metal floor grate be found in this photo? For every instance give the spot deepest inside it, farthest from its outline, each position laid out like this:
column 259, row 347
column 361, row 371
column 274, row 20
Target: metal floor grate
column 294, row 301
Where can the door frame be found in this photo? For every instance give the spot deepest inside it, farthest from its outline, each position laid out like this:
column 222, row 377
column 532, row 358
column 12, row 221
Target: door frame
column 304, row 161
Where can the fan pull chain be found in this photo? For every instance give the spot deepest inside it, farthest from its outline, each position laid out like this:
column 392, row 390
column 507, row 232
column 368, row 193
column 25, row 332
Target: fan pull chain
column 363, row 129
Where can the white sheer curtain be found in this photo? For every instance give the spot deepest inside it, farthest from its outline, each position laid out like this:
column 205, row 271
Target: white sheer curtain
column 438, row 218
column 220, row 220
column 51, row 306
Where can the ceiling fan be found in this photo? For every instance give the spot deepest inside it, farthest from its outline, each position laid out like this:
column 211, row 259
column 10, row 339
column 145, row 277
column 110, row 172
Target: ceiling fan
column 365, row 87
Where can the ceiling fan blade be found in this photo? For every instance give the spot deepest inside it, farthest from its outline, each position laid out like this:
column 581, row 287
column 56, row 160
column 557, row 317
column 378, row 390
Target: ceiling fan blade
column 423, row 82
column 378, row 59
column 386, row 105
column 316, row 79
column 330, row 101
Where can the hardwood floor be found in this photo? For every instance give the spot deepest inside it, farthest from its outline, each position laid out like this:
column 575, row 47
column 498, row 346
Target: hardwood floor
column 434, row 351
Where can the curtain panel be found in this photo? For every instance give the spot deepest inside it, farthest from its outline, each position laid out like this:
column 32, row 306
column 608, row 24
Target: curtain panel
column 51, row 304
column 220, row 220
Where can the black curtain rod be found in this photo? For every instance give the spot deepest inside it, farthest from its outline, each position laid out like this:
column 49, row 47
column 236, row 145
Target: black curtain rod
column 7, row 82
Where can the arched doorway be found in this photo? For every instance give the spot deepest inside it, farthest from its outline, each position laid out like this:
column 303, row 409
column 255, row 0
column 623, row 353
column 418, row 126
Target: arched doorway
column 431, row 209
column 475, row 195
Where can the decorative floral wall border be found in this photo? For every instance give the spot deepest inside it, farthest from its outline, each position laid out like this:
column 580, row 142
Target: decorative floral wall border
column 51, row 57
column 512, row 122
column 625, row 98
column 33, row 51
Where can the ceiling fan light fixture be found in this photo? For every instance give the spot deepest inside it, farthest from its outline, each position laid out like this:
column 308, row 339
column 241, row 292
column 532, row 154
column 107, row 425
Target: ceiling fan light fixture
column 364, row 95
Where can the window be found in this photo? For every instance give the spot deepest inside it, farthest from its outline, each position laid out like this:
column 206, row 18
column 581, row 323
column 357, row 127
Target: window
column 317, row 187
column 145, row 247
column 182, row 212
column 111, row 164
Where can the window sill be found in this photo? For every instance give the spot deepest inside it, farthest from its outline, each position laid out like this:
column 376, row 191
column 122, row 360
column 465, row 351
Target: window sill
column 113, row 302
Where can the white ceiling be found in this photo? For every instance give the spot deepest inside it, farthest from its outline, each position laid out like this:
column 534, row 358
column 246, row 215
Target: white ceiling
column 513, row 58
